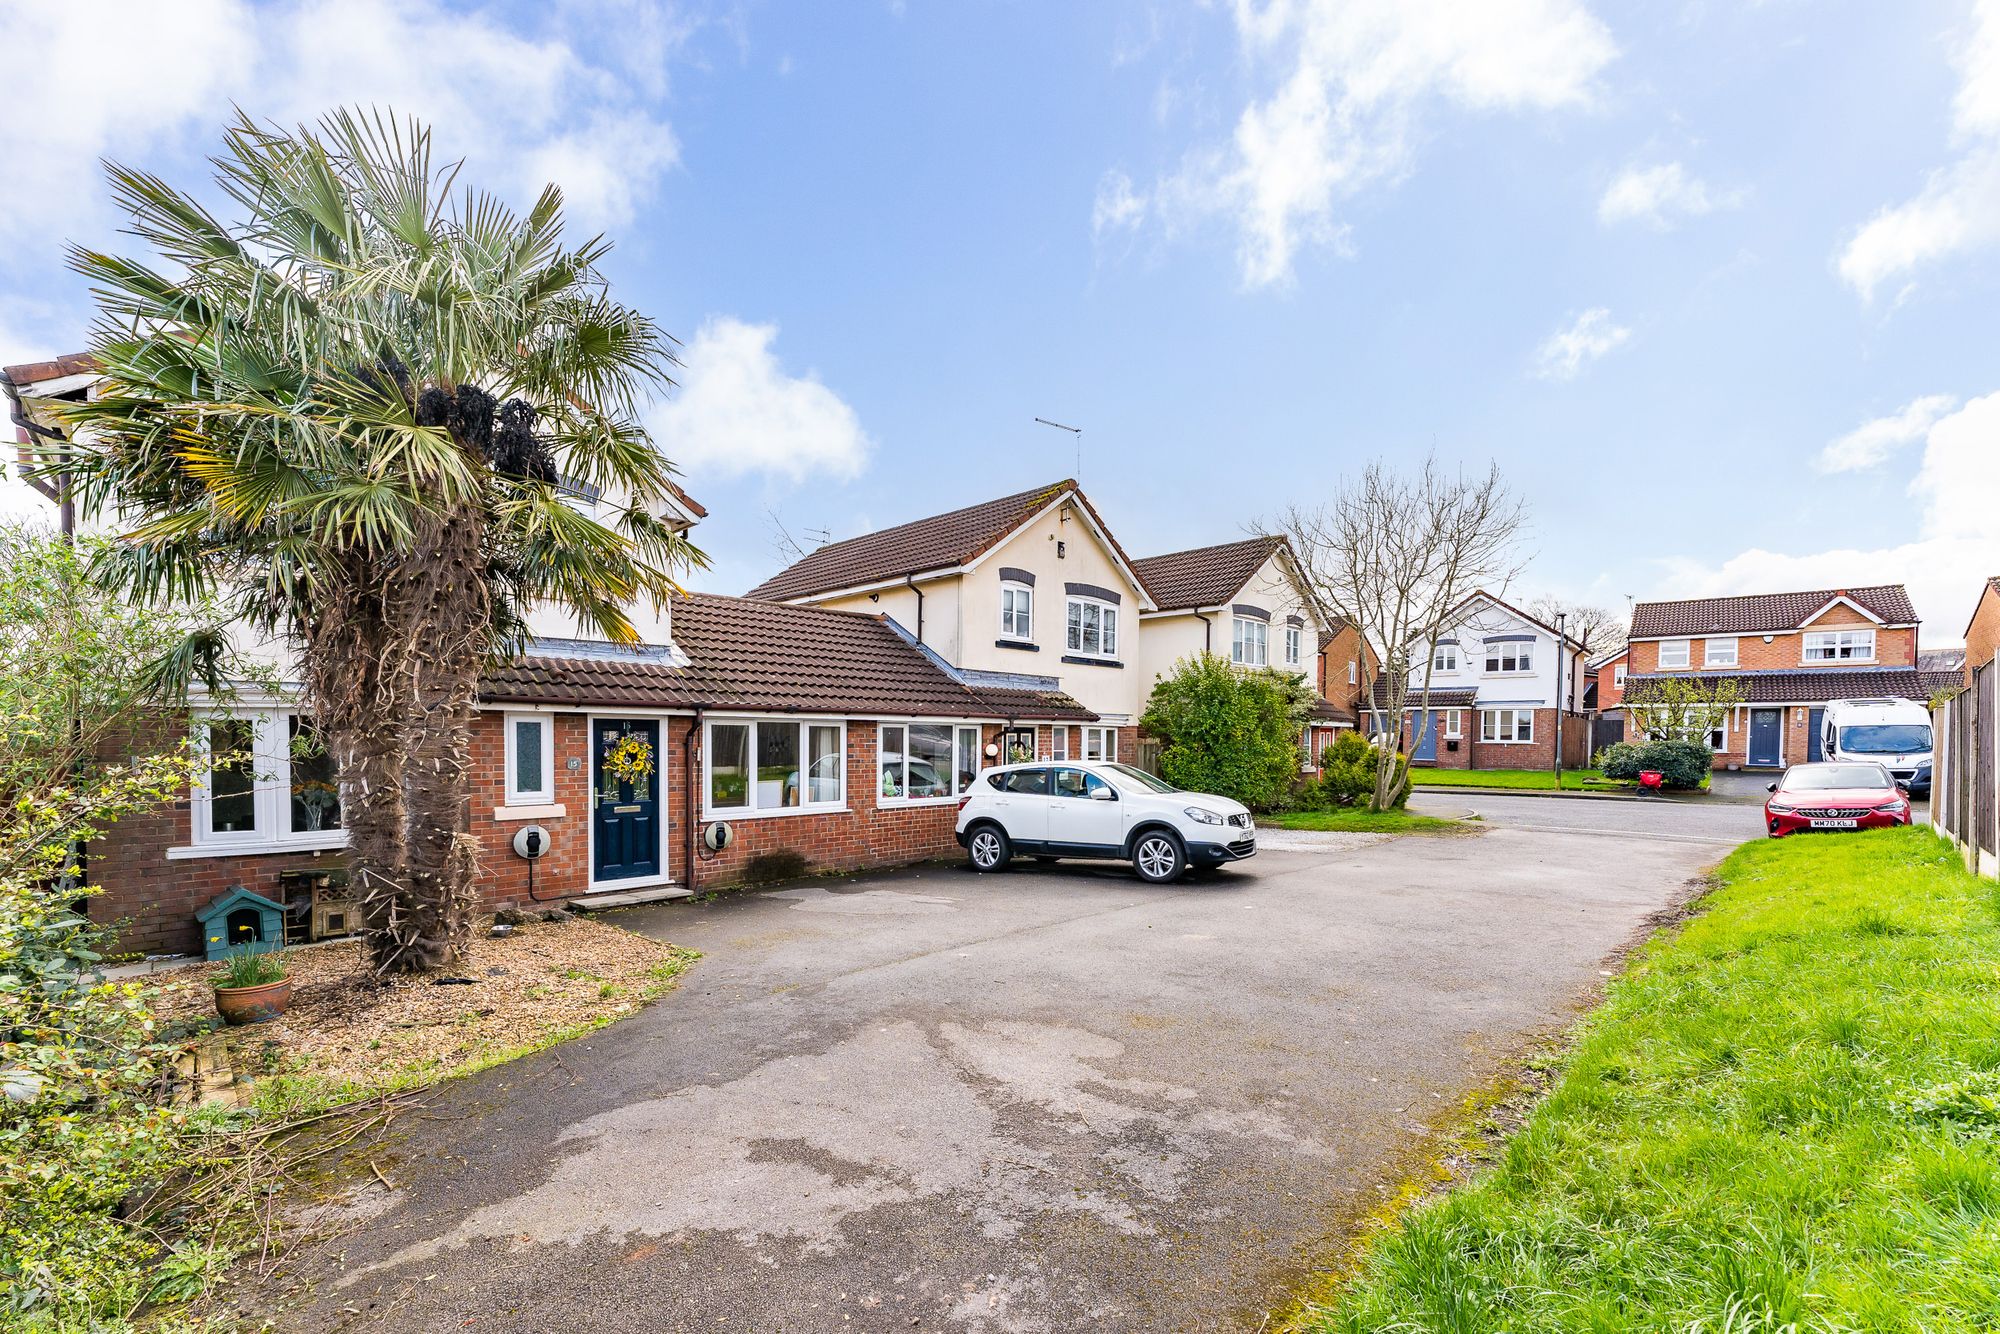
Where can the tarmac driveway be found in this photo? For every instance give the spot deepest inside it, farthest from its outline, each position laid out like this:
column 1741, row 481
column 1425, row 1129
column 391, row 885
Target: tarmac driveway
column 1054, row 1099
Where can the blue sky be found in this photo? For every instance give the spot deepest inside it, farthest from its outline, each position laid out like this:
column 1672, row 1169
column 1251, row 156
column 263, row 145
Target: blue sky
column 1714, row 283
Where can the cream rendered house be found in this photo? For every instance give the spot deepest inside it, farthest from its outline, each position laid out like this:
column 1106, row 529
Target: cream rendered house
column 1244, row 601
column 1029, row 592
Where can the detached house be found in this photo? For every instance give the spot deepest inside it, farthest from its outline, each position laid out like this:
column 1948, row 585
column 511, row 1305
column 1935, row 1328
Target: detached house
column 1504, row 688
column 1789, row 653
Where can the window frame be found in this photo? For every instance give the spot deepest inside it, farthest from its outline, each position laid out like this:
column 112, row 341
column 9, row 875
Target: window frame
column 1520, row 652
column 513, row 795
column 1618, row 677
column 1021, row 615
column 1708, row 658
column 957, row 730
column 1241, row 639
column 750, row 810
column 1444, row 658
column 1453, row 727
column 1295, row 638
column 1837, row 636
column 1686, row 655
column 270, row 789
column 1107, row 739
column 1489, row 735
column 1107, row 618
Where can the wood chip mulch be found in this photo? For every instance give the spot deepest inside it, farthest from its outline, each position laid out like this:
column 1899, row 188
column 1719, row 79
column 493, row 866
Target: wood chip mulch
column 544, row 978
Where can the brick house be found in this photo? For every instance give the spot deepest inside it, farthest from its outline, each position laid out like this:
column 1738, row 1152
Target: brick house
column 1347, row 668
column 1604, row 698
column 1982, row 633
column 1249, row 602
column 1504, row 687
column 825, row 739
column 1789, row 653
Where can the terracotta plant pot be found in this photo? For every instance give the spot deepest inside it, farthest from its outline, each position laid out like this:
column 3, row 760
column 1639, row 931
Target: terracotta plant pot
column 253, row 1005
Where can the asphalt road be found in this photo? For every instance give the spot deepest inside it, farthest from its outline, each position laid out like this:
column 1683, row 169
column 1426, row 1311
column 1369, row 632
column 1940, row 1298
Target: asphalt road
column 1054, row 1099
column 1722, row 824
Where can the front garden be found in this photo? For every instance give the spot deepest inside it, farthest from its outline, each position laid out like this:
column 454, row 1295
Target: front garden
column 1785, row 1116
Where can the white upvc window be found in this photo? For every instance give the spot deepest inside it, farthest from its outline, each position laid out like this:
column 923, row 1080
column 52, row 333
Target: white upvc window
column 1673, row 655
column 1618, row 676
column 1718, row 653
column 926, row 761
column 1092, row 628
column 531, row 759
column 1294, row 636
column 1017, row 608
column 1100, row 743
column 266, row 783
column 1354, row 673
column 1444, row 658
column 1506, row 725
column 770, row 766
column 1060, row 743
column 1511, row 655
column 1249, row 642
column 1718, row 736
column 1840, row 646
column 1454, row 724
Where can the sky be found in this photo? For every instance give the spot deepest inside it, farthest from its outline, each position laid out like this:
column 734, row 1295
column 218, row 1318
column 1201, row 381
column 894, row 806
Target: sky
column 1712, row 281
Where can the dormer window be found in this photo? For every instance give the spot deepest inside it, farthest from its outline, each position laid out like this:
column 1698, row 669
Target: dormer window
column 1017, row 611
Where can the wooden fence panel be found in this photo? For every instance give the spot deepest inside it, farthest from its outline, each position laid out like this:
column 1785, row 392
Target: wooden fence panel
column 1965, row 790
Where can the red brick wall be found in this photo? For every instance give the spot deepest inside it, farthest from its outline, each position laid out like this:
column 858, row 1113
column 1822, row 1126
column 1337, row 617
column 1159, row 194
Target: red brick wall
column 1893, row 648
column 1472, row 753
column 1610, row 694
column 1983, row 635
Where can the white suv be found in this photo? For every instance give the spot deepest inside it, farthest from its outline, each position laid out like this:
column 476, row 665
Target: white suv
column 1053, row 809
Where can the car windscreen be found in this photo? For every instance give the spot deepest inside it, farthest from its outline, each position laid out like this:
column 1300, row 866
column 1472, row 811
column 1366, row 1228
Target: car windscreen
column 1142, row 778
column 1819, row 777
column 1885, row 738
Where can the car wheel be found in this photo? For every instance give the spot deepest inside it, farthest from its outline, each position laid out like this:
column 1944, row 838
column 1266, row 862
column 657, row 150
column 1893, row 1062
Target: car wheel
column 988, row 848
column 1158, row 857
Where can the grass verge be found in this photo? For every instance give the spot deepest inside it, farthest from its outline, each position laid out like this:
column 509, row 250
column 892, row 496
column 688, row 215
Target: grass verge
column 1355, row 820
column 1574, row 780
column 1785, row 1116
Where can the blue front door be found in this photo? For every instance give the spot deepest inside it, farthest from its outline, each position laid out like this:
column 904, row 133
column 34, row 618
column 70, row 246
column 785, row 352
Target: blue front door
column 1767, row 728
column 1425, row 749
column 1814, row 752
column 625, row 814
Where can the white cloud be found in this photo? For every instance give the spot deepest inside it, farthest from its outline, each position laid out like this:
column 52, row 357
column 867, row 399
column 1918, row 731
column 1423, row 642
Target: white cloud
column 738, row 412
column 1118, row 206
column 1873, row 441
column 1959, row 207
column 1658, row 195
column 525, row 110
column 1348, row 81
column 1589, row 336
column 1955, row 546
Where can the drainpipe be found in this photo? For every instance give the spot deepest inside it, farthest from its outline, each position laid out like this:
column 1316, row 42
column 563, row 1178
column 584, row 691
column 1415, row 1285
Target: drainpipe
column 1207, row 633
column 911, row 581
column 691, row 776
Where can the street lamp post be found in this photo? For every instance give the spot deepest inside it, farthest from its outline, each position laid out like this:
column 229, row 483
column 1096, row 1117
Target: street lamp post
column 1561, row 640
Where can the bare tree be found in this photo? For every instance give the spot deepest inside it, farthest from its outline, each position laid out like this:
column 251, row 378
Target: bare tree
column 1598, row 630
column 1395, row 554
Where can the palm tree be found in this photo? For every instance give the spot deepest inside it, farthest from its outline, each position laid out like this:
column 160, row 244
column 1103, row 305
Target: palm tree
column 352, row 412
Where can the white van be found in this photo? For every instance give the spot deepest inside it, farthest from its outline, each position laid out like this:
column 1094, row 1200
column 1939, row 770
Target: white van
column 1895, row 733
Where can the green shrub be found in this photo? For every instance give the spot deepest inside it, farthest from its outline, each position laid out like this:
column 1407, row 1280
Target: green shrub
column 1620, row 759
column 1347, row 771
column 246, row 967
column 1230, row 731
column 1681, row 764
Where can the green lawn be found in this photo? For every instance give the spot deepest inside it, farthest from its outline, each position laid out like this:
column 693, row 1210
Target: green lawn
column 1784, row 1117
column 1356, row 821
column 1573, row 779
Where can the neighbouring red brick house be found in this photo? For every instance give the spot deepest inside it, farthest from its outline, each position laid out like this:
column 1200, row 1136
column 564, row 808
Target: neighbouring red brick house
column 1789, row 653
column 1982, row 633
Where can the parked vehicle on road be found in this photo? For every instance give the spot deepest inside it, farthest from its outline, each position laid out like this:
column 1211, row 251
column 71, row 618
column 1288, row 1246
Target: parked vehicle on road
column 1099, row 811
column 1827, row 797
column 1895, row 733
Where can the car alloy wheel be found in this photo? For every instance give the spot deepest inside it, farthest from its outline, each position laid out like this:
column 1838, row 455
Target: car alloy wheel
column 987, row 850
column 1158, row 858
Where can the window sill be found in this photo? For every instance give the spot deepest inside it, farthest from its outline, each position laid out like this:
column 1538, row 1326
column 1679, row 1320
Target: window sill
column 1091, row 662
column 1837, row 662
column 1020, row 644
column 548, row 810
column 261, row 847
column 781, row 813
column 891, row 803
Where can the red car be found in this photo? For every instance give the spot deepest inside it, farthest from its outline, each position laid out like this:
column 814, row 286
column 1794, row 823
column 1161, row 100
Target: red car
column 1821, row 797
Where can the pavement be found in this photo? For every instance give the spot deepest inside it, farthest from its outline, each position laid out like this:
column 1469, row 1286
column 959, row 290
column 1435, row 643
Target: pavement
column 1052, row 1099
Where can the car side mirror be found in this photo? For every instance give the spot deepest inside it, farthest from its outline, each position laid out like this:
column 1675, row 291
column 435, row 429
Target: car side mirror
column 1771, row 787
column 1103, row 794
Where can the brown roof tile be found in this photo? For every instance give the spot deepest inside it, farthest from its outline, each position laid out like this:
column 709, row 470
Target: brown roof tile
column 1457, row 697
column 923, row 545
column 1763, row 612
column 1204, row 576
column 1805, row 685
column 769, row 657
column 34, row 372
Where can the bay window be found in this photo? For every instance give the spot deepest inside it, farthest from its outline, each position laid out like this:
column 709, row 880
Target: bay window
column 766, row 766
column 266, row 783
column 927, row 761
column 1249, row 642
column 1092, row 628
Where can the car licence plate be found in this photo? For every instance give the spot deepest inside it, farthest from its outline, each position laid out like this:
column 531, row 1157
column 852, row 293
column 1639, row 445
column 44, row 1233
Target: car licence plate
column 1836, row 824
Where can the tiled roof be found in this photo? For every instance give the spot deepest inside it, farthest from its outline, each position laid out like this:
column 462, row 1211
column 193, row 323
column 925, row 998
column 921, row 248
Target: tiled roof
column 1936, row 681
column 923, row 545
column 35, row 372
column 1326, row 711
column 1941, row 659
column 1204, row 576
column 1457, row 697
column 769, row 657
column 1763, row 612
column 1803, row 685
